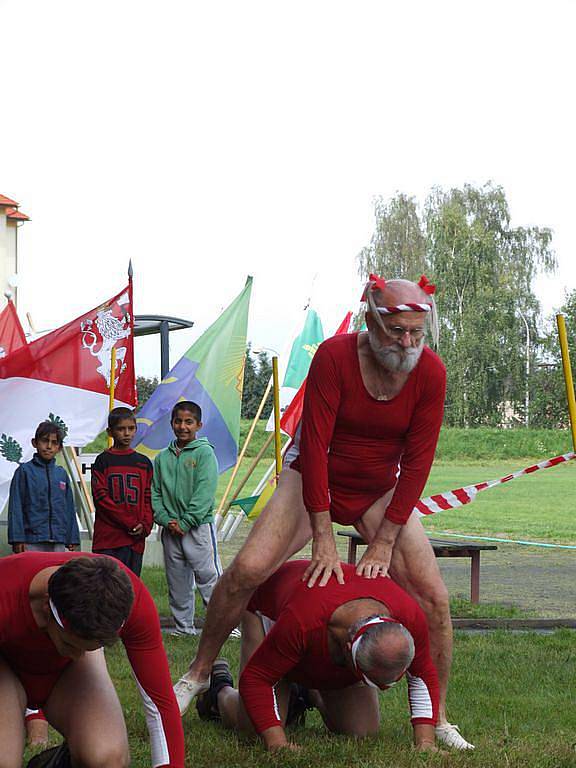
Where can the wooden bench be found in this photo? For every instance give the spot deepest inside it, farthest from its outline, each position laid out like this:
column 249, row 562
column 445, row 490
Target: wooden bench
column 441, row 549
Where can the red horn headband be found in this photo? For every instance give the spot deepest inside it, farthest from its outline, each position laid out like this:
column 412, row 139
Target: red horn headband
column 426, row 285
column 374, row 283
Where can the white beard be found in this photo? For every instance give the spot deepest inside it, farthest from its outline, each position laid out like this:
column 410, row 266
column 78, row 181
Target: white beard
column 395, row 359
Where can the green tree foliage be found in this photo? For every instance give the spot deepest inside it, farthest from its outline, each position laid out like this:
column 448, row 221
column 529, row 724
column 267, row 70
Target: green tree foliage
column 145, row 387
column 398, row 245
column 257, row 372
column 549, row 407
column 484, row 269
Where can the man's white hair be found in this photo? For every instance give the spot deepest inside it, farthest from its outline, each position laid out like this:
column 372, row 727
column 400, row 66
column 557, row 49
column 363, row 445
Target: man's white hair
column 369, row 654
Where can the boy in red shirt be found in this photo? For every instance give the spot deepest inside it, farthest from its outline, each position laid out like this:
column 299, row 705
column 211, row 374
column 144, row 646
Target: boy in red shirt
column 121, row 482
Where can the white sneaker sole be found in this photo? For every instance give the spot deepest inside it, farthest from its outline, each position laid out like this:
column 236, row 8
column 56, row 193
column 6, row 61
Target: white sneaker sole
column 186, row 690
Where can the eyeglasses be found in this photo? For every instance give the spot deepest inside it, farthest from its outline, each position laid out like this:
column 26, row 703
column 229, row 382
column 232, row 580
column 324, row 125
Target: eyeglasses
column 397, row 332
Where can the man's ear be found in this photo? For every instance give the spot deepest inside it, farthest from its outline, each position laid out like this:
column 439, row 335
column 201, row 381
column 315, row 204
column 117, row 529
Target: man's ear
column 200, row 425
column 33, row 441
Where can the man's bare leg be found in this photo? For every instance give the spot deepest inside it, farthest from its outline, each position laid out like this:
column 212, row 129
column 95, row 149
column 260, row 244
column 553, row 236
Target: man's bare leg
column 352, row 711
column 282, row 529
column 12, row 731
column 232, row 710
column 84, row 707
column 415, row 569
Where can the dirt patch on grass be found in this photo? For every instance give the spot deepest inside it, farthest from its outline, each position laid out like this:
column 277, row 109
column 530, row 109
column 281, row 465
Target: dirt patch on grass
column 535, row 580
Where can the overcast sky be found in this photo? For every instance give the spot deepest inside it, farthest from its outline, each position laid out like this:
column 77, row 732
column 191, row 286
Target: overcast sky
column 208, row 141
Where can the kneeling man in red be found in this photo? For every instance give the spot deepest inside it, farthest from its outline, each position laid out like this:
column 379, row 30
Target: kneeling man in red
column 56, row 613
column 342, row 642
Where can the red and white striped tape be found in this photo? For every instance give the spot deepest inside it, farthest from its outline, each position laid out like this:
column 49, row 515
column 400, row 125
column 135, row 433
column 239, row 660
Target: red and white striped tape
column 404, row 308
column 440, row 502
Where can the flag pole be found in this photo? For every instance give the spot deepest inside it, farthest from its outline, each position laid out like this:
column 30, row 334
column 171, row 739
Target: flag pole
column 277, row 433
column 84, row 488
column 249, row 472
column 112, row 388
column 218, row 515
column 83, row 503
column 568, row 381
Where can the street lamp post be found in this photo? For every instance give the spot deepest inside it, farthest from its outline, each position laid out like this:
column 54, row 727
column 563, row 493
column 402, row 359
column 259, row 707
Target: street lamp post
column 527, row 395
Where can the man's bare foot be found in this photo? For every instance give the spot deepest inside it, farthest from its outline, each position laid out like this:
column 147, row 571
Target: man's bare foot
column 37, row 732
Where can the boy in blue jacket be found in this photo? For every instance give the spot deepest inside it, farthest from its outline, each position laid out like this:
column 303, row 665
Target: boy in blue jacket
column 41, row 514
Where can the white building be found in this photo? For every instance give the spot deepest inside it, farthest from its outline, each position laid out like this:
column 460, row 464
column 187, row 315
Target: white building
column 10, row 221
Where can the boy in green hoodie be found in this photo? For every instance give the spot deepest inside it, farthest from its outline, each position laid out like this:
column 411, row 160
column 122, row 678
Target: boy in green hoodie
column 183, row 490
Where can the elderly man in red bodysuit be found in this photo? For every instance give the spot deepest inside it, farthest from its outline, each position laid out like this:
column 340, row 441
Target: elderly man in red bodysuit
column 372, row 414
column 342, row 643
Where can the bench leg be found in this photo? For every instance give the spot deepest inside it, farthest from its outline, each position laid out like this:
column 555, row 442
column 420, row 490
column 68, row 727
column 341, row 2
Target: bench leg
column 475, row 578
column 352, row 551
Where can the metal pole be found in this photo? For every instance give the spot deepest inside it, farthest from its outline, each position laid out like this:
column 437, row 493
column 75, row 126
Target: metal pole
column 561, row 321
column 164, row 348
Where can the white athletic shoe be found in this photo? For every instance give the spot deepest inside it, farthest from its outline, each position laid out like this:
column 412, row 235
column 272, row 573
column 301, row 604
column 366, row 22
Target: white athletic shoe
column 185, row 690
column 236, row 633
column 450, row 736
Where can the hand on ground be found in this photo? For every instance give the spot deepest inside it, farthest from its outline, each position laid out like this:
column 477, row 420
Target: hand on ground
column 429, row 746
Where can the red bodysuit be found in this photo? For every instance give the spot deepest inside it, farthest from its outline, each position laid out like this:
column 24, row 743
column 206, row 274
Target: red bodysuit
column 296, row 648
column 351, row 444
column 33, row 658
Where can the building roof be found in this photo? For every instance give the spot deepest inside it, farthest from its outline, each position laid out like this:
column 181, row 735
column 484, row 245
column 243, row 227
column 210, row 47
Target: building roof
column 7, row 201
column 13, row 213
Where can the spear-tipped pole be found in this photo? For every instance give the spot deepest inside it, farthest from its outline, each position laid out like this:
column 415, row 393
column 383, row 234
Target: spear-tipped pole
column 112, row 387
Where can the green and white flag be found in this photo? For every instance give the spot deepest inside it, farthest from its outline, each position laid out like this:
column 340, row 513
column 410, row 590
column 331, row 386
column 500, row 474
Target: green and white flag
column 294, row 366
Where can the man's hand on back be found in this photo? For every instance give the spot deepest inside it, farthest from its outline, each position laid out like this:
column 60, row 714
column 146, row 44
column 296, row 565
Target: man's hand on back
column 376, row 560
column 325, row 559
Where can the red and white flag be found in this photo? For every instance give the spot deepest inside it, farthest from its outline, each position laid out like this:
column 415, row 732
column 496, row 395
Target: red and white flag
column 65, row 376
column 12, row 335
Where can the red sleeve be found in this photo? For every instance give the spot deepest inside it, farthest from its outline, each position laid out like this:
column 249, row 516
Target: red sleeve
column 423, row 691
column 420, row 444
column 280, row 651
column 143, row 642
column 147, row 513
column 321, row 403
column 106, row 507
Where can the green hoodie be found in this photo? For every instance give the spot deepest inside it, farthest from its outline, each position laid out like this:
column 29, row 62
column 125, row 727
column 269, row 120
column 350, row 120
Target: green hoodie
column 184, row 485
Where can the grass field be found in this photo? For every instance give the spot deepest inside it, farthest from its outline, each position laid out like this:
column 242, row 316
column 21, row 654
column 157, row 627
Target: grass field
column 512, row 695
column 509, row 695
